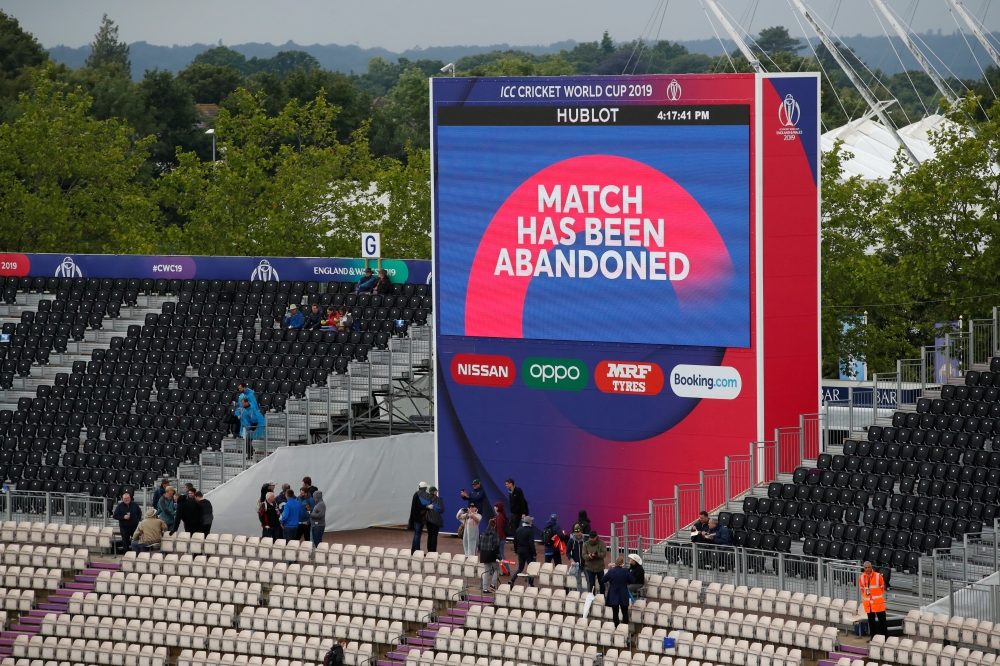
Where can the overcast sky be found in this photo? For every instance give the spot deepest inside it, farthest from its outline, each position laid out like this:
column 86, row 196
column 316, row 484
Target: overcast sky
column 402, row 24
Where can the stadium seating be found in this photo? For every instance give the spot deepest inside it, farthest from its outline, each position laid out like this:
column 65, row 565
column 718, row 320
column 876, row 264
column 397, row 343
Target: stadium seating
column 159, row 395
column 918, row 484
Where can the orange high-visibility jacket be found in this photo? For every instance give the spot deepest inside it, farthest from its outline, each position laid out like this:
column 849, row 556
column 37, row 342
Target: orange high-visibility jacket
column 872, row 592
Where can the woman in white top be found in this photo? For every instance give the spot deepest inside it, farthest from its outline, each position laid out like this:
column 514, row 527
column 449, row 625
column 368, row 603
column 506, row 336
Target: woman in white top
column 470, row 518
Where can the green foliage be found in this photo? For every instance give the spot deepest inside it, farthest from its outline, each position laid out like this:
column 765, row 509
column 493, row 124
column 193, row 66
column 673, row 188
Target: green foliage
column 68, row 180
column 210, row 84
column 382, row 75
column 777, row 40
column 913, row 252
column 281, row 64
column 19, row 53
column 106, row 51
column 403, row 120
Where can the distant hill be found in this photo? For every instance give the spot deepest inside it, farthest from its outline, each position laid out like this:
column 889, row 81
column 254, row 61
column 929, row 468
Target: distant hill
column 951, row 49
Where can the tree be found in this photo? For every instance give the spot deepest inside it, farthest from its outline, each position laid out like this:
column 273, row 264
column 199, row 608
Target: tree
column 107, row 51
column 777, row 40
column 222, row 56
column 68, row 181
column 607, row 44
column 269, row 192
column 167, row 113
column 404, row 119
column 210, row 84
column 19, row 52
column 283, row 63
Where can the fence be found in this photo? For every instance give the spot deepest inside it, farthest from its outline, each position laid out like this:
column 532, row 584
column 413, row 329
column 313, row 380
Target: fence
column 758, row 568
column 62, row 508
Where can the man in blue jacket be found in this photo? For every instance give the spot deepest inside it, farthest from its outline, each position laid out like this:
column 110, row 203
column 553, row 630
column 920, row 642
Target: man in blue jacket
column 367, row 283
column 477, row 497
column 306, row 504
column 250, row 419
column 718, row 534
column 294, row 318
column 290, row 516
column 247, row 392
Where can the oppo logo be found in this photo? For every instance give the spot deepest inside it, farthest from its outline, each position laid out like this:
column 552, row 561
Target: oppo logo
column 564, row 374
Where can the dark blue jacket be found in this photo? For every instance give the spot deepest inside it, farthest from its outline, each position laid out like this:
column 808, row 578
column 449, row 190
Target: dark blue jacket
column 477, row 498
column 290, row 514
column 618, row 579
column 294, row 321
column 367, row 284
column 721, row 536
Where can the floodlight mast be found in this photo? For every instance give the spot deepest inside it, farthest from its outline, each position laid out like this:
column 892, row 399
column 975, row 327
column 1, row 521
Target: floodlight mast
column 975, row 30
column 924, row 63
column 744, row 49
column 852, row 75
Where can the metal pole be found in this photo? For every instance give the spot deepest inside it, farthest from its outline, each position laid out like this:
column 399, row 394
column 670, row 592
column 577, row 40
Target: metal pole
column 701, row 490
column 48, row 507
column 802, row 440
column 951, row 598
column 781, row 571
column 920, row 581
column 652, row 523
column 677, row 510
column 625, row 532
column 729, row 488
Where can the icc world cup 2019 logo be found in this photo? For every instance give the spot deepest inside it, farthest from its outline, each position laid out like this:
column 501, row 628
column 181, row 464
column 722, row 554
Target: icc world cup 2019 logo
column 68, row 269
column 264, row 271
column 788, row 118
column 674, row 90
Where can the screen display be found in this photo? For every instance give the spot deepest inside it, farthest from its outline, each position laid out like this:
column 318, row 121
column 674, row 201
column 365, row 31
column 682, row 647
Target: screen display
column 622, row 224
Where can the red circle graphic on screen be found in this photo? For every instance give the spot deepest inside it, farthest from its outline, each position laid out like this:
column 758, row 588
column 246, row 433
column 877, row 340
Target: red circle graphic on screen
column 494, row 303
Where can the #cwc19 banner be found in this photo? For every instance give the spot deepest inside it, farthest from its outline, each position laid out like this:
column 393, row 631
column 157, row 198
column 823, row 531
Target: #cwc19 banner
column 611, row 254
column 317, row 269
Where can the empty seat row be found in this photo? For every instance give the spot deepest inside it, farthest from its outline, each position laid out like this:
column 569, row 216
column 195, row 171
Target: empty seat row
column 149, row 601
column 52, row 557
column 30, row 578
column 895, row 649
column 79, row 536
column 955, row 629
column 50, row 650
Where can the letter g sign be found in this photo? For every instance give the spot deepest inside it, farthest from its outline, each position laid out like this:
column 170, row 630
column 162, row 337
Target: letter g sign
column 371, row 245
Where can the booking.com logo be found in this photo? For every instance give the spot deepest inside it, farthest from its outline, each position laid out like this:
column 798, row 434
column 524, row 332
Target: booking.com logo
column 706, row 381
column 564, row 374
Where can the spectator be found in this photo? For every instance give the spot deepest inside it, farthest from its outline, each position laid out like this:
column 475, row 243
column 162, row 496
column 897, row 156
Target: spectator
column 700, row 528
column 265, row 490
column 718, row 534
column 594, row 552
column 247, row 392
column 318, row 518
column 305, row 507
column 335, row 657
column 638, row 573
column 149, row 532
column 583, row 521
column 270, row 518
column 188, row 512
column 518, row 505
column 553, row 541
column 314, row 320
column 367, row 283
column 382, row 285
column 477, row 497
column 332, row 318
column 290, row 517
column 206, row 512
column 489, row 553
column 282, row 497
column 294, row 318
column 127, row 515
column 574, row 550
column 307, row 483
column 416, row 521
column 433, row 509
column 618, row 579
column 250, row 419
column 501, row 519
column 166, row 508
column 524, row 546
column 469, row 520
column 344, row 320
column 159, row 492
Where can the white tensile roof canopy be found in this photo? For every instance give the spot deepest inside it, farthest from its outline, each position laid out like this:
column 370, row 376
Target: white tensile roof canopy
column 870, row 149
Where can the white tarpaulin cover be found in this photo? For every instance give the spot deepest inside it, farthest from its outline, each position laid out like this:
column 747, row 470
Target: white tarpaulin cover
column 365, row 482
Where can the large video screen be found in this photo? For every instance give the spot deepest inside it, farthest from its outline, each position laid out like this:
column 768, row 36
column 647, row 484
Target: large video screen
column 620, row 224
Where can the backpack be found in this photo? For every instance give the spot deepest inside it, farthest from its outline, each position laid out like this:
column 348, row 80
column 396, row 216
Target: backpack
column 547, row 535
column 335, row 657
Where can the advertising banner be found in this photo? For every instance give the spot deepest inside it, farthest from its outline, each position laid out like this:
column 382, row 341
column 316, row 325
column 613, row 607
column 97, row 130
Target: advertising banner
column 600, row 283
column 307, row 269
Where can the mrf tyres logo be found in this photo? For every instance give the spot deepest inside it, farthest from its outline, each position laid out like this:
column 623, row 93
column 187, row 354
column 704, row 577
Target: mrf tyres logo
column 562, row 374
column 706, row 381
column 629, row 377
